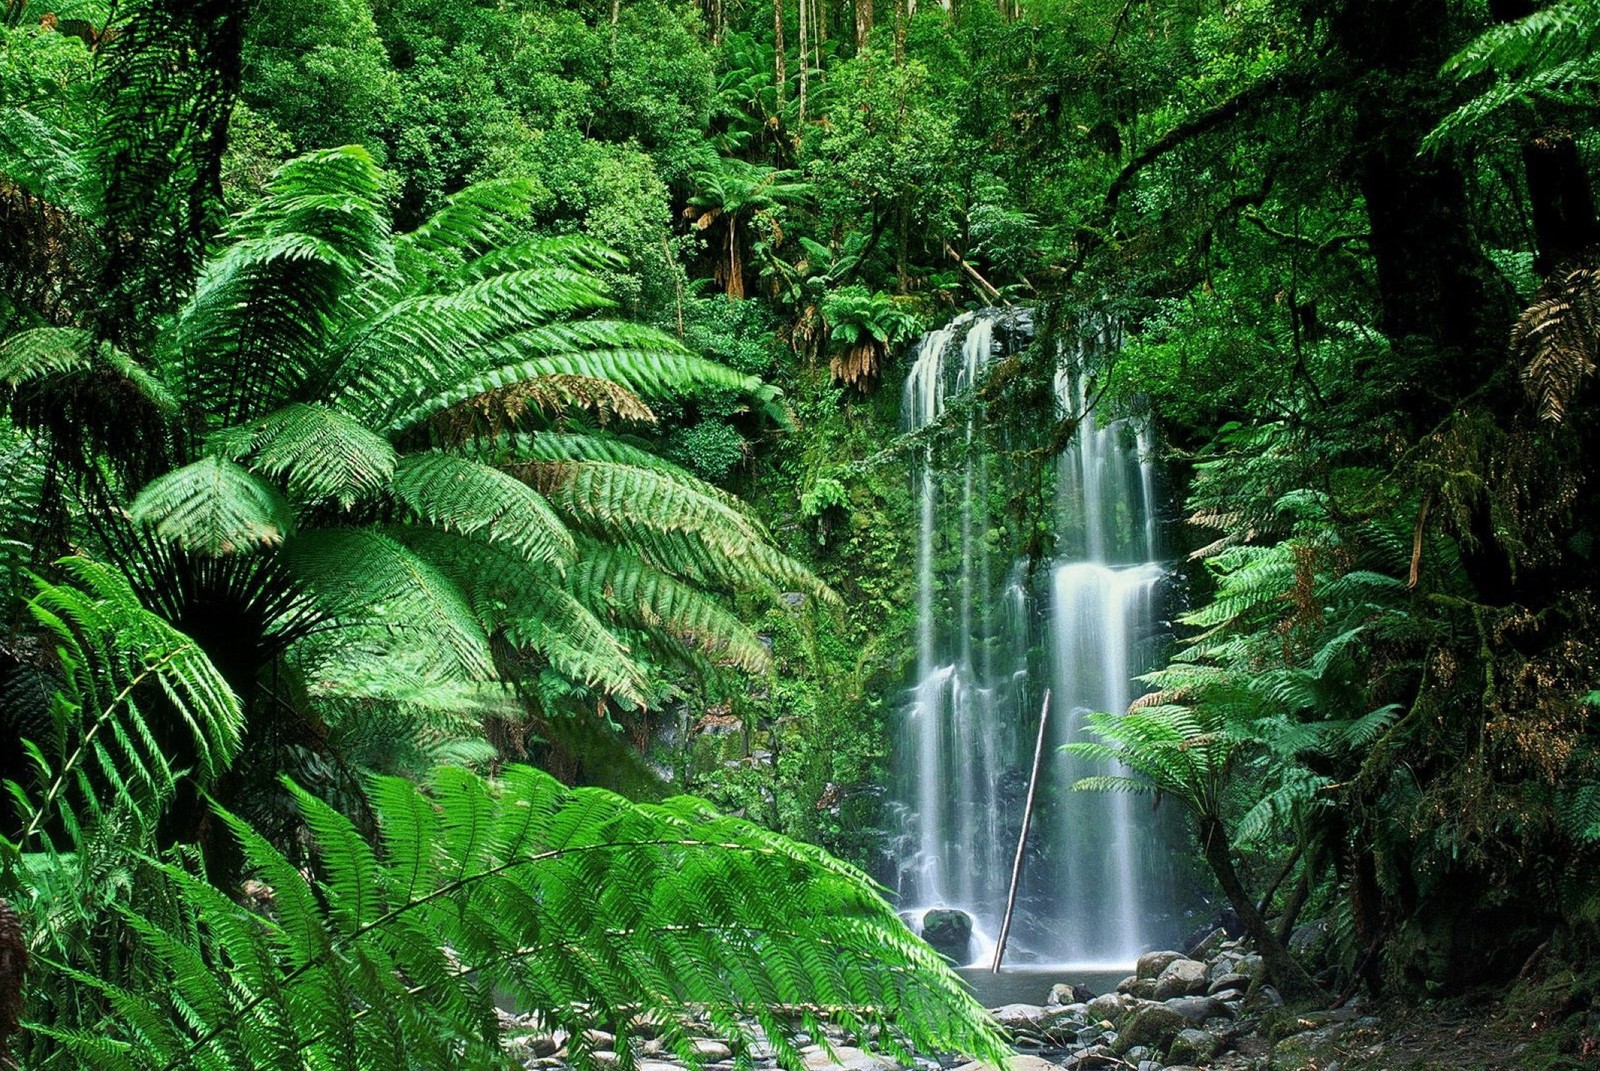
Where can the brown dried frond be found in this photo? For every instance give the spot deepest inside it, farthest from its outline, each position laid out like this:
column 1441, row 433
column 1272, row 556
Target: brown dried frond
column 546, row 477
column 496, row 411
column 857, row 366
column 1558, row 338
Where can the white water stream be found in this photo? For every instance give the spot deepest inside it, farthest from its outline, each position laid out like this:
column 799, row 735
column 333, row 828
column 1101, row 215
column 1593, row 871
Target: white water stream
column 1091, row 878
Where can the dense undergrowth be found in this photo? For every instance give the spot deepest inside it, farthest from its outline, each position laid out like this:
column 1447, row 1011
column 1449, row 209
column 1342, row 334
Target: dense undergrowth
column 555, row 419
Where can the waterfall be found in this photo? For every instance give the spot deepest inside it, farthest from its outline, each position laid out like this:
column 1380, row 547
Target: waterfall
column 1087, row 621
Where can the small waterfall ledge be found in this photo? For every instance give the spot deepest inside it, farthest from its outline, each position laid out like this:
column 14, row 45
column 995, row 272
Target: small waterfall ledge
column 1086, row 622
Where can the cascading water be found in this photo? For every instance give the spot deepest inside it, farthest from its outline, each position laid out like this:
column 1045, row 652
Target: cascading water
column 968, row 727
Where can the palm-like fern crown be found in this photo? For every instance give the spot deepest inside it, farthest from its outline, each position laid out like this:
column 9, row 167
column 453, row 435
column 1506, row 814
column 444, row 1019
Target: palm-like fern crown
column 341, row 374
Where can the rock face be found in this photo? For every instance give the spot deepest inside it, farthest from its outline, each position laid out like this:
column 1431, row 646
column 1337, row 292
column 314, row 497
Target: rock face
column 949, row 933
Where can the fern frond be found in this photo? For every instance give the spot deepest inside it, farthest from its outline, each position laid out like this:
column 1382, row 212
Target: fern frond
column 214, row 507
column 498, row 411
column 575, row 903
column 366, row 580
column 1558, row 339
column 465, row 496
column 519, row 600
column 320, row 453
column 125, row 673
column 485, row 216
column 674, row 525
column 615, row 583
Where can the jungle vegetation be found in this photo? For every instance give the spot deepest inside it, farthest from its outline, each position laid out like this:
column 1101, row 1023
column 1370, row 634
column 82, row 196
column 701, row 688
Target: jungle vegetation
column 425, row 419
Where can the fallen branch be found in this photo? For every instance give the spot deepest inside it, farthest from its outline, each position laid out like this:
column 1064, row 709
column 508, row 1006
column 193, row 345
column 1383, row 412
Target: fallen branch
column 985, row 288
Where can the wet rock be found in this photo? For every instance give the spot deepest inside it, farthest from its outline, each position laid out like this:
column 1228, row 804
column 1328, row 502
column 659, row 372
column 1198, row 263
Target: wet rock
column 1022, row 1062
column 1309, row 938
column 711, row 1049
column 1208, row 945
column 531, row 1047
column 1154, row 1025
column 1306, row 1051
column 845, row 1058
column 1151, row 964
column 1250, row 966
column 949, row 933
column 1068, row 993
column 1262, row 999
column 1199, row 1009
column 1180, row 978
column 1091, row 1059
column 1018, row 1016
column 1222, row 965
column 1232, row 982
column 1111, row 1006
column 1191, row 1046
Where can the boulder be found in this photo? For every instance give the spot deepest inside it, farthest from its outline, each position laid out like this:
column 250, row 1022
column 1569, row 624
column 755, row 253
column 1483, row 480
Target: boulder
column 1154, row 1025
column 1110, row 1007
column 1250, row 965
column 1068, row 993
column 1012, row 1016
column 1191, row 1046
column 844, row 1058
column 1151, row 964
column 711, row 1049
column 1180, row 978
column 1199, row 1009
column 949, row 933
column 1020, row 1062
column 1228, row 983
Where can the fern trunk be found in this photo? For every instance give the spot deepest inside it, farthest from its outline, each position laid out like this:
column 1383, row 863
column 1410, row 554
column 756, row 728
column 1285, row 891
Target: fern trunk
column 1282, row 970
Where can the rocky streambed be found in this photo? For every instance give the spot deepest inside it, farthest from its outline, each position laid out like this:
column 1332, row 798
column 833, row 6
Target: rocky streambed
column 1176, row 1012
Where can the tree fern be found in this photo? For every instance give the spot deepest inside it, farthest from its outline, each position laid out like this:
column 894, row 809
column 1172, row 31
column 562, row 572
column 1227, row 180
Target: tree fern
column 460, row 495
column 371, row 583
column 107, row 750
column 318, row 452
column 1550, row 55
column 615, row 583
column 215, row 507
column 577, row 904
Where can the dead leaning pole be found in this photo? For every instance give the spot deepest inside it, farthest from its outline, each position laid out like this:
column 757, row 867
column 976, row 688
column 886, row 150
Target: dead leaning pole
column 1022, row 838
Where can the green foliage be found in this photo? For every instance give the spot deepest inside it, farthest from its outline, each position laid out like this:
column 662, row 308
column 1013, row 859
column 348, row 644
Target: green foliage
column 575, row 903
column 108, row 758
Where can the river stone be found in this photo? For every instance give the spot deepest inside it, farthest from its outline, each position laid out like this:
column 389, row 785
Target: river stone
column 1154, row 1025
column 949, row 933
column 1228, row 983
column 1191, row 1046
column 1012, row 1016
column 1250, row 965
column 1181, row 978
column 845, row 1058
column 1067, row 993
column 1199, row 1009
column 711, row 1049
column 1020, row 1062
column 1111, row 1006
column 1151, row 964
column 1097, row 1056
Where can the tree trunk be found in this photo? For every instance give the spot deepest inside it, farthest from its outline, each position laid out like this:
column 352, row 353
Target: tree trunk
column 1282, row 971
column 863, row 23
column 779, row 58
column 1564, row 224
column 805, row 67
